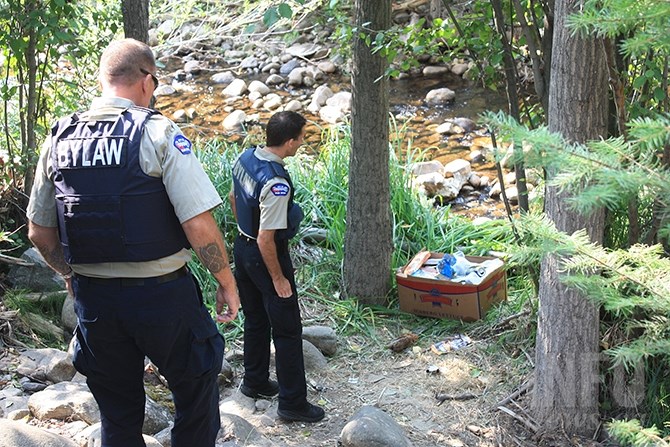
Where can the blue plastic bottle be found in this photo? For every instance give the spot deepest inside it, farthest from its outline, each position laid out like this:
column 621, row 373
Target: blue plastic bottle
column 445, row 265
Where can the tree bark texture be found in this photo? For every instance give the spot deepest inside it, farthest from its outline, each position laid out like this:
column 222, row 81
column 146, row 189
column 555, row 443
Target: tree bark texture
column 368, row 238
column 136, row 19
column 566, row 373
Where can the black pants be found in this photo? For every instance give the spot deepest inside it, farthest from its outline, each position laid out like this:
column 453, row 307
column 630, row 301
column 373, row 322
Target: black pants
column 120, row 325
column 267, row 315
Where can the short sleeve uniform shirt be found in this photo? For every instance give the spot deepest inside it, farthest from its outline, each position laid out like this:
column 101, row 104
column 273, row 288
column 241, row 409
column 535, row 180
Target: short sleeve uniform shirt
column 164, row 154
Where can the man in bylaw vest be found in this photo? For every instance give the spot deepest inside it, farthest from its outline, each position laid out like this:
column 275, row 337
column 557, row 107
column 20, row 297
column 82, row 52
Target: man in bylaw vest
column 118, row 201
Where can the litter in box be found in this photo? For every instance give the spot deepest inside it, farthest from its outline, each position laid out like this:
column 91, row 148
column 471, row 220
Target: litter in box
column 453, row 343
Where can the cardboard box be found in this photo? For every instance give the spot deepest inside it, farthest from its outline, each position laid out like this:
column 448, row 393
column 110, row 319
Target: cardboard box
column 447, row 299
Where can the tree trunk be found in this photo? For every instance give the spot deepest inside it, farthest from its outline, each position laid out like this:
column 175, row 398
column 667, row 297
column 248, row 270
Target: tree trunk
column 136, row 19
column 566, row 373
column 435, row 9
column 368, row 238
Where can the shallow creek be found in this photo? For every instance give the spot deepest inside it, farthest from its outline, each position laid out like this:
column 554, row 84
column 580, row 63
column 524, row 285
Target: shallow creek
column 416, row 120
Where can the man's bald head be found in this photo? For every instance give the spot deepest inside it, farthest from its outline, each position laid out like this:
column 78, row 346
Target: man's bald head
column 123, row 60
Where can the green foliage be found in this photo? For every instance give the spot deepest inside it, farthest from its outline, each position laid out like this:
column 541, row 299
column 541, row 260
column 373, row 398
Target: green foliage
column 631, row 284
column 631, row 433
column 38, row 318
column 640, row 28
column 49, row 52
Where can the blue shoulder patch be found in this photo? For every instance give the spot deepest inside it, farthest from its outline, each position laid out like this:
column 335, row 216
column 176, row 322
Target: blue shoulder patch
column 279, row 189
column 183, row 144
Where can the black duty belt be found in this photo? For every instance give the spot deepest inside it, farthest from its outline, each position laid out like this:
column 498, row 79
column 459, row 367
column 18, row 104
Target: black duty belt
column 247, row 238
column 136, row 282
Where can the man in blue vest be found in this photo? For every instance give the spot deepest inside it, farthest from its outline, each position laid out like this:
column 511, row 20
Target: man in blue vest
column 267, row 217
column 118, row 200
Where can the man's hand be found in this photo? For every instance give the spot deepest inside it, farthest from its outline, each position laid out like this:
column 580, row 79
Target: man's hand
column 283, row 287
column 228, row 300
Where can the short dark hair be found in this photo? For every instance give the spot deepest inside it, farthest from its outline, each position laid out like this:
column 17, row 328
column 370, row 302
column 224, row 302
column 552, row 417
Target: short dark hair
column 123, row 60
column 284, row 126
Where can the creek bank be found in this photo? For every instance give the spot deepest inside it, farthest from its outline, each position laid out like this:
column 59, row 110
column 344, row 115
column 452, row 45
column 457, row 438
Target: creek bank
column 225, row 87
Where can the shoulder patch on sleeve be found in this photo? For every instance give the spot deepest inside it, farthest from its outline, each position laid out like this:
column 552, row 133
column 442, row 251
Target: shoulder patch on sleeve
column 279, row 189
column 182, row 144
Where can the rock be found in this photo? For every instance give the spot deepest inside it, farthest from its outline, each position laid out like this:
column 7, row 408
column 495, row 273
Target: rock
column 193, row 67
column 289, row 66
column 341, row 100
column 465, row 123
column 249, row 62
column 235, row 121
column 274, row 79
column 164, row 437
column 295, row 77
column 19, row 434
column 459, row 169
column 440, row 96
column 225, row 77
column 156, row 417
column 260, row 87
column 293, row 106
column 236, row 88
column 304, row 50
column 459, row 69
column 272, row 101
column 65, row 401
column 427, row 167
column 179, row 116
column 450, row 128
column 46, row 364
column 165, row 90
column 314, row 359
column 431, row 71
column 323, row 337
column 12, row 400
column 37, row 276
column 67, row 316
column 327, row 67
column 319, row 98
column 91, row 438
column 235, row 427
column 512, row 195
column 372, row 427
column 330, row 114
column 475, row 180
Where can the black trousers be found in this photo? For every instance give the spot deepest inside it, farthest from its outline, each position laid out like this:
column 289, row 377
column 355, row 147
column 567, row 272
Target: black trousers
column 118, row 325
column 267, row 316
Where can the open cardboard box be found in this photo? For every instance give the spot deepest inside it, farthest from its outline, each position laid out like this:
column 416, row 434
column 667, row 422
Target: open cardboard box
column 442, row 298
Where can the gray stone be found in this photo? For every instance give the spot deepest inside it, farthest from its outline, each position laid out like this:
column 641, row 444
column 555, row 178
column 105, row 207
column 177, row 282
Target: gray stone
column 236, row 88
column 314, row 359
column 323, row 337
column 274, row 79
column 235, row 121
column 47, row 364
column 371, row 427
column 440, row 96
column 19, row 434
column 37, row 276
column 288, row 67
column 225, row 77
column 65, row 401
column 68, row 318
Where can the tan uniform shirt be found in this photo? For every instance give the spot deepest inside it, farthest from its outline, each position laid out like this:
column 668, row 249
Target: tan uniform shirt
column 188, row 186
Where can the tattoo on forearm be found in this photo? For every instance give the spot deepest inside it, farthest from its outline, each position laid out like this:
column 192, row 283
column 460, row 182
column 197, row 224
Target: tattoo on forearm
column 212, row 256
column 55, row 259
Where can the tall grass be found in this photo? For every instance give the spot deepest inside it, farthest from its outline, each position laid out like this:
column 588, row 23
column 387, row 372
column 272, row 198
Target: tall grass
column 321, row 181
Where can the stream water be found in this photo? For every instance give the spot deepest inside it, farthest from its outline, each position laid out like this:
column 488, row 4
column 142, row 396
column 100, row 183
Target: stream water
column 417, row 120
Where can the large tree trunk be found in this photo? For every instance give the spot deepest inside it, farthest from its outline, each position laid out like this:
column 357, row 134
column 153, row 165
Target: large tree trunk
column 368, row 238
column 136, row 19
column 566, row 372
